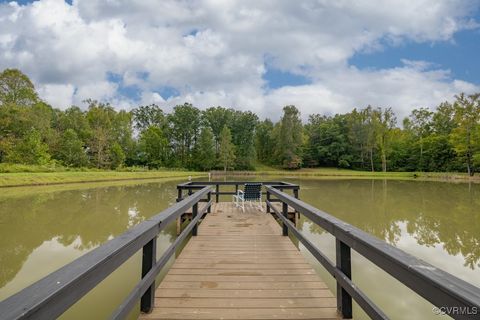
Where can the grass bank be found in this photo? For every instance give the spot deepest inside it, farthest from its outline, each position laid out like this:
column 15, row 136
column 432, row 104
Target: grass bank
column 335, row 173
column 68, row 177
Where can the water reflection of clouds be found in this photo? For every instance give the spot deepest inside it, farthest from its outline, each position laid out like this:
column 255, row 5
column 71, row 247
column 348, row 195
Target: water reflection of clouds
column 50, row 255
column 436, row 255
column 71, row 220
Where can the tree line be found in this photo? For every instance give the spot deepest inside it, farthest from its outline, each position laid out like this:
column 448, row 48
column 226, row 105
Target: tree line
column 33, row 132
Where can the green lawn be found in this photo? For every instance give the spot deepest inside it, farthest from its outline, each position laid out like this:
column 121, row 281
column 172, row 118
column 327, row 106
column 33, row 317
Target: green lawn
column 48, row 178
column 263, row 170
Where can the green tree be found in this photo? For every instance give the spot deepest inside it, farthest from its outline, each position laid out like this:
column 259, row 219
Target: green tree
column 227, row 149
column 184, row 125
column 205, row 150
column 146, row 116
column 289, row 146
column 16, row 88
column 357, row 133
column 466, row 136
column 217, row 118
column 419, row 124
column 116, row 155
column 443, row 121
column 71, row 151
column 264, row 141
column 100, row 117
column 29, row 150
column 243, row 136
column 154, row 147
column 328, row 141
column 74, row 118
column 385, row 120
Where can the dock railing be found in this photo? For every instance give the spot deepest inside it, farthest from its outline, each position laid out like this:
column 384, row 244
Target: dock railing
column 190, row 187
column 51, row 296
column 451, row 295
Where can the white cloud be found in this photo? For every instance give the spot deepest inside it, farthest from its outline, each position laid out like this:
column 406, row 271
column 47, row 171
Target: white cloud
column 215, row 52
column 58, row 95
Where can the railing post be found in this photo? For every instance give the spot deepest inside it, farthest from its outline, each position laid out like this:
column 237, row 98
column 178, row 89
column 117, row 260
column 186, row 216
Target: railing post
column 194, row 214
column 268, row 199
column 180, row 194
column 285, row 214
column 295, row 193
column 344, row 300
column 217, row 194
column 209, row 197
column 149, row 259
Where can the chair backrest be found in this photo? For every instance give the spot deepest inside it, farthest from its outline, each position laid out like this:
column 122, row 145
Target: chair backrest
column 253, row 191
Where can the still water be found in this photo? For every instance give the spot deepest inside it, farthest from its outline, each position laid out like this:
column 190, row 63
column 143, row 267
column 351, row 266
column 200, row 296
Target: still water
column 43, row 229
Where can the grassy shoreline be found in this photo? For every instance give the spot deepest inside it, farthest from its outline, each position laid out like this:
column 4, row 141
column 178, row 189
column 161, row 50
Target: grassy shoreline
column 26, row 179
column 23, row 179
column 334, row 173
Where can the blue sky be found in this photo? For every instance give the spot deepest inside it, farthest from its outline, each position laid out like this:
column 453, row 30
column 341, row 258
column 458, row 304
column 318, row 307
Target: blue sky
column 324, row 57
column 460, row 55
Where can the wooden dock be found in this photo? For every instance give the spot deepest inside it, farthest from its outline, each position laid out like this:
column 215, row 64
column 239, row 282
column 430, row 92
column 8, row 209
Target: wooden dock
column 239, row 266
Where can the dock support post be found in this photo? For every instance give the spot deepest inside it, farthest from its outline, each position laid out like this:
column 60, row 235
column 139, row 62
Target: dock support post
column 194, row 215
column 217, row 194
column 285, row 214
column 344, row 300
column 180, row 194
column 149, row 259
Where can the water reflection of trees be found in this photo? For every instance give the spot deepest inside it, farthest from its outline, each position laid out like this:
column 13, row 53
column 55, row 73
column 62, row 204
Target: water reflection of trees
column 88, row 217
column 434, row 213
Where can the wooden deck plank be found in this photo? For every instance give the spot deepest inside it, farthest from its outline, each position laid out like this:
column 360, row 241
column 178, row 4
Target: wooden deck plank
column 241, row 313
column 241, row 267
column 245, row 293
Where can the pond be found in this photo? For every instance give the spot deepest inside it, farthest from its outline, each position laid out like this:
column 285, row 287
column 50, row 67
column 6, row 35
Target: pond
column 42, row 229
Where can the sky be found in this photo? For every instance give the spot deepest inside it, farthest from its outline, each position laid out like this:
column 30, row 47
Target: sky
column 323, row 56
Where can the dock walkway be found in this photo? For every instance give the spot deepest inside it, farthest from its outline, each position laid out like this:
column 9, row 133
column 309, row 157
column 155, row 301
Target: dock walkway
column 239, row 266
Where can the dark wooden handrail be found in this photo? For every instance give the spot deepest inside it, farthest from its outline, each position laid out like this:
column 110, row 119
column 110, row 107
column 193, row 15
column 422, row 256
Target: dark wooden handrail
column 195, row 185
column 52, row 295
column 435, row 285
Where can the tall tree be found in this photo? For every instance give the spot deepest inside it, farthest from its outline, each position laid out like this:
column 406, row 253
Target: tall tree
column 328, row 141
column 29, row 150
column 466, row 136
column 100, row 117
column 184, row 125
column 205, row 150
column 243, row 137
column 419, row 124
column 227, row 149
column 217, row 118
column 147, row 116
column 386, row 122
column 290, row 138
column 264, row 142
column 358, row 136
column 71, row 150
column 16, row 88
column 154, row 147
